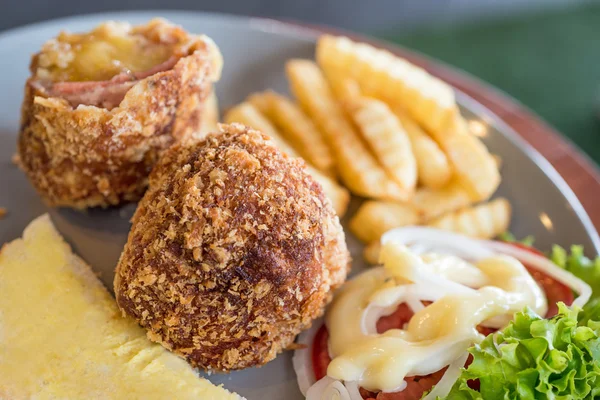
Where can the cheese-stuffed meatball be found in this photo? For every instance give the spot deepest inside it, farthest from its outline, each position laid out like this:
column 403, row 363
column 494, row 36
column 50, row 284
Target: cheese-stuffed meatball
column 100, row 107
column 234, row 250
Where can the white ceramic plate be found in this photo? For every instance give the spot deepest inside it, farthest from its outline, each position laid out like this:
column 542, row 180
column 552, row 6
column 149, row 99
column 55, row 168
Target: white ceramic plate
column 255, row 51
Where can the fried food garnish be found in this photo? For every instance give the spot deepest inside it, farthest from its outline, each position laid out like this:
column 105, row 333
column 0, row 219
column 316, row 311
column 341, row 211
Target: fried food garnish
column 297, row 129
column 427, row 99
column 387, row 139
column 483, row 221
column 358, row 168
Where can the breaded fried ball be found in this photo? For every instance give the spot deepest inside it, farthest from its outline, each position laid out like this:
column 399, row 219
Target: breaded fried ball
column 100, row 107
column 233, row 251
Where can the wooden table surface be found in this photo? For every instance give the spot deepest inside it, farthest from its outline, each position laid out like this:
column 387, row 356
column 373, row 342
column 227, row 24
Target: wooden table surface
column 580, row 173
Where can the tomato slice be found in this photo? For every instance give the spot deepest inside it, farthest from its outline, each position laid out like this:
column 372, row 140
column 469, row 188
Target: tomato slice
column 555, row 291
column 320, row 353
column 396, row 320
column 417, row 385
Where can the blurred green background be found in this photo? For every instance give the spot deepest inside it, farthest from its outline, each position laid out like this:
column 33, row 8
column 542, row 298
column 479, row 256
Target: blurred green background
column 550, row 62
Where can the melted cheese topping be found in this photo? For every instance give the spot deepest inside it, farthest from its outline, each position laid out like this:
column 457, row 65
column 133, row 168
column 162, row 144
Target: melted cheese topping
column 437, row 334
column 101, row 54
column 63, row 337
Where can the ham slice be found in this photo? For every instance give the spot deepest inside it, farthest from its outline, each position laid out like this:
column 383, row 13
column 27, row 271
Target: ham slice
column 105, row 94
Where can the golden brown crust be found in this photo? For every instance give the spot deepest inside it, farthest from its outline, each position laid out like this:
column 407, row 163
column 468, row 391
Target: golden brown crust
column 92, row 156
column 233, row 251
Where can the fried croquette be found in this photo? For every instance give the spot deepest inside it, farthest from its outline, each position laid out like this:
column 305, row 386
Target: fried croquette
column 100, row 107
column 233, row 251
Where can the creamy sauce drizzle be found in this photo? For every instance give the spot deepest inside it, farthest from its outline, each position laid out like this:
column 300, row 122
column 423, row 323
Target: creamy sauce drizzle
column 464, row 295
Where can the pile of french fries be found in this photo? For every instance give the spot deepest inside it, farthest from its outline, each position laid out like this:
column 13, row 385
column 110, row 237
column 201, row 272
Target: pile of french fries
column 369, row 122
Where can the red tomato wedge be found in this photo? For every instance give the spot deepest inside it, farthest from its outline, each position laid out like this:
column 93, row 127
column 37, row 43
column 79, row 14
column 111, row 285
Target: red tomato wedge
column 554, row 290
column 417, row 385
column 320, row 353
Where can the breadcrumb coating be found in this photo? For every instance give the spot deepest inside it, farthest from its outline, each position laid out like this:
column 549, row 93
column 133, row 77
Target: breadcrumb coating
column 88, row 155
column 233, row 251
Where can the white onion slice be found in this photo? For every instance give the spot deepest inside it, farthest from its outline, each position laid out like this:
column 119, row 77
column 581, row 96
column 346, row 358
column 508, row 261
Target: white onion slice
column 415, row 305
column 400, row 388
column 353, row 390
column 371, row 315
column 433, row 240
column 302, row 359
column 412, row 295
column 328, row 389
column 543, row 264
column 443, row 387
column 431, row 291
column 302, row 362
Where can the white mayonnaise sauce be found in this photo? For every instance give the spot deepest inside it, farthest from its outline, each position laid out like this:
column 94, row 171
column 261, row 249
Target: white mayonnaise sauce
column 464, row 294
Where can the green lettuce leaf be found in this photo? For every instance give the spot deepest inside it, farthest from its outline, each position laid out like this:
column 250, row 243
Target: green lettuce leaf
column 509, row 237
column 579, row 265
column 585, row 269
column 535, row 358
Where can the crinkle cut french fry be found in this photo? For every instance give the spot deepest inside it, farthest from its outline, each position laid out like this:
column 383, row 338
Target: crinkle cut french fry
column 262, row 102
column 346, row 90
column 427, row 99
column 336, row 193
column 210, row 115
column 374, row 218
column 483, row 221
column 434, row 170
column 475, row 166
column 245, row 113
column 388, row 140
column 358, row 168
column 383, row 75
column 431, row 203
column 297, row 129
column 371, row 252
column 498, row 160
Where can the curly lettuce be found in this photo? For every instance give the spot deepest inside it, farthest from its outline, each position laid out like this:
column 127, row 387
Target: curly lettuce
column 536, row 358
column 579, row 265
column 585, row 269
column 509, row 237
column 576, row 263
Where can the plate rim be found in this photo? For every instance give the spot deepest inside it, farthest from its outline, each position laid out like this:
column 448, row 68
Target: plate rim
column 312, row 31
column 541, row 161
